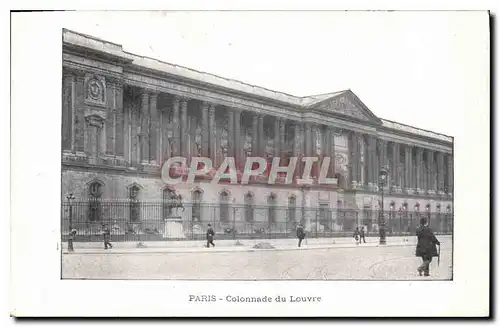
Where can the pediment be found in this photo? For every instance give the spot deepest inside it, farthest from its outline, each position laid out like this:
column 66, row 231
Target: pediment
column 347, row 104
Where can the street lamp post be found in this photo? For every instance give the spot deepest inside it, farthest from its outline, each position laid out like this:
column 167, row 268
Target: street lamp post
column 70, row 197
column 382, row 183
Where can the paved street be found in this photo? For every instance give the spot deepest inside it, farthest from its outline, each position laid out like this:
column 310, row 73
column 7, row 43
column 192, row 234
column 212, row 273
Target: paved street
column 396, row 262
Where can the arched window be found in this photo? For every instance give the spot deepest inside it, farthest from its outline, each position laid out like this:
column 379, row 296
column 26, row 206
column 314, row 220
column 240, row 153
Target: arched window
column 94, row 204
column 271, row 209
column 224, row 206
column 249, row 207
column 292, row 207
column 135, row 206
column 196, row 212
column 167, row 197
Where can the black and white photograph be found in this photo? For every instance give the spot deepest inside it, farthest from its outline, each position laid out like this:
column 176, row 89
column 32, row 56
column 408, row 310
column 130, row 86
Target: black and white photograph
column 264, row 147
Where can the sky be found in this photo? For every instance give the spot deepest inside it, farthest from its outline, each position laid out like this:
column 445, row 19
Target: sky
column 410, row 67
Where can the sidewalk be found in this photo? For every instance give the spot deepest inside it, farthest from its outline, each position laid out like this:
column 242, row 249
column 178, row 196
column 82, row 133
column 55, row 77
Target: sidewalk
column 245, row 245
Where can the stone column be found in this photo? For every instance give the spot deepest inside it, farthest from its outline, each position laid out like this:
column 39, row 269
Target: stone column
column 353, row 158
column 119, row 142
column 184, row 128
column 327, row 141
column 276, row 132
column 419, row 164
column 430, row 172
column 153, row 132
column 144, row 155
column 230, row 134
column 358, row 158
column 205, row 130
column 395, row 167
column 440, row 172
column 449, row 164
column 127, row 135
column 213, row 135
column 193, row 149
column 307, row 140
column 296, row 147
column 176, row 124
column 238, row 143
column 407, row 180
column 261, row 137
column 375, row 162
column 255, row 136
column 282, row 125
column 372, row 151
column 331, row 151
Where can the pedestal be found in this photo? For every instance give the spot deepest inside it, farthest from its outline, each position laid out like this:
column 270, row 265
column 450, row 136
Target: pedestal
column 173, row 228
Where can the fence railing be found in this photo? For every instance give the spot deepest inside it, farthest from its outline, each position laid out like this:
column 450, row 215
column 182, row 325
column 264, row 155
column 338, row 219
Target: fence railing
column 147, row 221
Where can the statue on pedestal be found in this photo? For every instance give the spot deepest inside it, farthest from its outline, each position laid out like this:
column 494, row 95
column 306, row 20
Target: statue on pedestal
column 173, row 220
column 175, row 205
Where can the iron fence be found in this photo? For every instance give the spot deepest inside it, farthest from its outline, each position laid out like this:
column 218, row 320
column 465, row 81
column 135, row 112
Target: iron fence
column 148, row 221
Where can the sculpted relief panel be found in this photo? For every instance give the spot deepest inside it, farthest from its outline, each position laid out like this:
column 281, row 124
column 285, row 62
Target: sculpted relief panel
column 343, row 105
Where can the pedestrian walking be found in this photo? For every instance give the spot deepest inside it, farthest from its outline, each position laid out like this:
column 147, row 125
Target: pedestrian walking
column 426, row 246
column 71, row 237
column 356, row 235
column 301, row 233
column 362, row 235
column 107, row 237
column 210, row 236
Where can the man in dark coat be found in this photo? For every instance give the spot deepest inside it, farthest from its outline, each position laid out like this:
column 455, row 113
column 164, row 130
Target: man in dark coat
column 362, row 235
column 71, row 237
column 301, row 234
column 356, row 235
column 210, row 236
column 107, row 237
column 426, row 246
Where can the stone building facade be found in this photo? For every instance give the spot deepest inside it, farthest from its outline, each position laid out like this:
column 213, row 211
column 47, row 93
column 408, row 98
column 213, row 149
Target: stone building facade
column 123, row 115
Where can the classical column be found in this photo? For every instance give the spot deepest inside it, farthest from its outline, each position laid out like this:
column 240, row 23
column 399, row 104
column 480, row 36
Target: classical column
column 193, row 148
column 144, row 134
column 327, row 149
column 282, row 137
column 176, row 127
column 261, row 137
column 395, row 167
column 407, row 180
column 255, row 135
column 184, row 128
column 430, row 172
column 276, row 132
column 449, row 164
column 230, row 134
column 213, row 135
column 237, row 139
column 353, row 161
column 419, row 164
column 127, row 135
column 372, row 151
column 153, row 134
column 440, row 172
column 307, row 140
column 331, row 151
column 296, row 147
column 120, row 115
column 205, row 131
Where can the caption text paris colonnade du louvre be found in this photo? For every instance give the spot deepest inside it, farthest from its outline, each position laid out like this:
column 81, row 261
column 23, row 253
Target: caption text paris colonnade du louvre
column 124, row 116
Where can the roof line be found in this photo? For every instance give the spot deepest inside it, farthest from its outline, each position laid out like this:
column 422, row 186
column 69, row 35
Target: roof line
column 214, row 75
column 91, row 37
column 422, row 129
column 315, row 95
